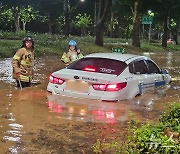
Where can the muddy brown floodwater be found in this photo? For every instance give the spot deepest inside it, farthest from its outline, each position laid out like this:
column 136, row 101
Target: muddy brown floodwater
column 33, row 121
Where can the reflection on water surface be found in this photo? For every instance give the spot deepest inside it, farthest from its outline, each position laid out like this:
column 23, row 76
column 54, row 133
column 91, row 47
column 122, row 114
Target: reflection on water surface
column 33, row 120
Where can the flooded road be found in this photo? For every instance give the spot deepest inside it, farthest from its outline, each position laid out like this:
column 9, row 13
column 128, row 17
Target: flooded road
column 34, row 121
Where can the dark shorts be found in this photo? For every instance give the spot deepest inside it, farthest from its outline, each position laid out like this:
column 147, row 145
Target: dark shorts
column 23, row 84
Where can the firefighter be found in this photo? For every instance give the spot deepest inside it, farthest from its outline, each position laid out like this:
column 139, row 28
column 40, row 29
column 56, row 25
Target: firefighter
column 22, row 63
column 72, row 53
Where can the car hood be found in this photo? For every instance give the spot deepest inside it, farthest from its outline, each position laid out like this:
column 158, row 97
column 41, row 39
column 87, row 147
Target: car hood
column 92, row 77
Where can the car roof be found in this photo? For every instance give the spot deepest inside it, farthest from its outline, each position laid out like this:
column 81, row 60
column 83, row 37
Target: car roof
column 116, row 56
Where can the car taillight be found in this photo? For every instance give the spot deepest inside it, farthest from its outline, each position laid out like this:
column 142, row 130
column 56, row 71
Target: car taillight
column 109, row 87
column 116, row 87
column 100, row 87
column 56, row 80
column 90, row 69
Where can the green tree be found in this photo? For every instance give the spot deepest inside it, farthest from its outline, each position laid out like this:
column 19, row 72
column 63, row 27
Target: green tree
column 6, row 19
column 82, row 22
column 49, row 11
column 15, row 8
column 26, row 15
column 67, row 18
column 69, row 9
column 166, row 18
column 174, row 20
column 121, row 25
column 60, row 24
column 135, row 7
column 167, row 6
column 103, row 12
column 136, row 23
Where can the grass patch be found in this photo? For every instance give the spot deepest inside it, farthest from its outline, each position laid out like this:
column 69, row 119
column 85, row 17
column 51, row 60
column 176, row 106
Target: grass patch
column 153, row 47
column 46, row 44
column 156, row 47
column 8, row 47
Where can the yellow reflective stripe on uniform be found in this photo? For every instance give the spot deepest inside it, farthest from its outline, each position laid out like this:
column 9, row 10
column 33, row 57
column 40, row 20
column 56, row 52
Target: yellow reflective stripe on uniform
column 80, row 56
column 29, row 64
column 64, row 55
column 30, row 78
column 16, row 57
column 23, row 62
column 24, row 78
column 65, row 58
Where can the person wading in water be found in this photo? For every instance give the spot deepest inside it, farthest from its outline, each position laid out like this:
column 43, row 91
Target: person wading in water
column 22, row 63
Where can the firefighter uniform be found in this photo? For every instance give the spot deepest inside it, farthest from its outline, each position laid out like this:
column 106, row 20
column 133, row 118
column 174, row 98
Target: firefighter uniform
column 22, row 63
column 71, row 56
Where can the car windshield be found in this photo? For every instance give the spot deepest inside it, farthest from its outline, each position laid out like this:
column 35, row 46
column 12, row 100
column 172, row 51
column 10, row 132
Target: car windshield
column 100, row 65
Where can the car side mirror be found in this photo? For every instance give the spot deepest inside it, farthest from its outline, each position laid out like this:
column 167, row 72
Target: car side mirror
column 164, row 71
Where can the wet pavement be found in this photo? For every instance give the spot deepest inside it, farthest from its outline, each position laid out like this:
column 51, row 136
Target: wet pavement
column 34, row 121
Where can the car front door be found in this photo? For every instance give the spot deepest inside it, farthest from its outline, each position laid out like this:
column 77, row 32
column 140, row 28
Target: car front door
column 145, row 80
column 154, row 71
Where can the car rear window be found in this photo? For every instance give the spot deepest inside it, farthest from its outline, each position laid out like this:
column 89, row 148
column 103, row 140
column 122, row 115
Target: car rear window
column 100, row 65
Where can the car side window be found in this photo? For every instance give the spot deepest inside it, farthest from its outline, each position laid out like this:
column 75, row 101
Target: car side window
column 140, row 67
column 152, row 67
column 131, row 68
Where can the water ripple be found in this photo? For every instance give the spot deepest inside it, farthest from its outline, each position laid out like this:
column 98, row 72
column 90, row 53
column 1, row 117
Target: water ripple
column 16, row 126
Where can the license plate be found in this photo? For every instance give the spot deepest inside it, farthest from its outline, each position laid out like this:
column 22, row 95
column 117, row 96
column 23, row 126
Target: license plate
column 76, row 105
column 77, row 86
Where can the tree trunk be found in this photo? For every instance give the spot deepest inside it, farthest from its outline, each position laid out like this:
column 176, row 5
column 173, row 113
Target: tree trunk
column 49, row 24
column 136, row 25
column 95, row 13
column 67, row 24
column 111, row 28
column 67, row 18
column 178, row 33
column 15, row 11
column 167, row 4
column 127, row 32
column 17, row 26
column 99, row 35
column 24, row 26
column 102, row 18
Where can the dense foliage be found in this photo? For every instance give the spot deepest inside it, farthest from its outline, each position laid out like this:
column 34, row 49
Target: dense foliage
column 161, row 137
column 47, row 16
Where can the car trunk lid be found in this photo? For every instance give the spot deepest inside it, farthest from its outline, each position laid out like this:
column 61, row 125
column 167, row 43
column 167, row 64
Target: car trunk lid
column 79, row 82
column 90, row 77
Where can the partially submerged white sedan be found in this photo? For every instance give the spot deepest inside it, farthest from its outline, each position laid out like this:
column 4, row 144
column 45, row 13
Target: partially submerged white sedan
column 108, row 77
